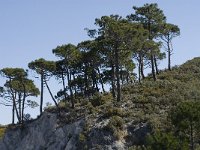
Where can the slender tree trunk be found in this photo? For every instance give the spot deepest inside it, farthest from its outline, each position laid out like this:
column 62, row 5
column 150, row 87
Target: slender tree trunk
column 70, row 88
column 16, row 110
column 20, row 109
column 169, row 56
column 54, row 100
column 127, row 76
column 15, row 105
column 86, row 81
column 23, row 103
column 113, row 82
column 23, row 106
column 152, row 68
column 101, row 81
column 96, row 85
column 117, row 74
column 42, row 92
column 152, row 56
column 94, row 81
column 64, row 87
column 156, row 65
column 23, row 112
column 75, row 88
column 121, row 75
column 131, row 79
column 142, row 67
column 13, row 114
column 139, row 71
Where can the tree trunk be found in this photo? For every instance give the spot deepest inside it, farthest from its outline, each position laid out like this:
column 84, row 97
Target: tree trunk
column 86, row 82
column 130, row 78
column 152, row 68
column 156, row 65
column 75, row 88
column 94, row 81
column 100, row 79
column 152, row 56
column 169, row 56
column 23, row 103
column 142, row 67
column 113, row 82
column 13, row 115
column 64, row 87
column 70, row 88
column 96, row 85
column 121, row 75
column 14, row 104
column 19, row 106
column 117, row 74
column 51, row 94
column 41, row 94
column 139, row 70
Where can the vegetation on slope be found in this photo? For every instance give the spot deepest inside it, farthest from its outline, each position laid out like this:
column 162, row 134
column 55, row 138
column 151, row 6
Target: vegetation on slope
column 166, row 101
column 169, row 107
column 116, row 47
column 2, row 131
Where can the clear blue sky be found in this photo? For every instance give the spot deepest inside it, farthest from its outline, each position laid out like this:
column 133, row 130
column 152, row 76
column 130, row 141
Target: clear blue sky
column 30, row 29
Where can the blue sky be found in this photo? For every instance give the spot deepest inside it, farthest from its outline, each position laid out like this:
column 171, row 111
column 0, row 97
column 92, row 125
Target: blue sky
column 31, row 29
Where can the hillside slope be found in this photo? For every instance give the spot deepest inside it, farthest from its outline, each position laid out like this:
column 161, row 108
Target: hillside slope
column 101, row 123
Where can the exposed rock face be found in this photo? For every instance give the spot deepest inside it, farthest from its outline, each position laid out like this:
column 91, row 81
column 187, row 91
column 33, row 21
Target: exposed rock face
column 43, row 134
column 46, row 133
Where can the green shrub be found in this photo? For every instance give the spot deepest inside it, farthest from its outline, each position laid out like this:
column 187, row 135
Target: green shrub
column 186, row 119
column 90, row 108
column 100, row 99
column 82, row 137
column 2, row 131
column 115, row 126
column 96, row 100
column 114, row 111
column 165, row 141
column 49, row 107
column 63, row 105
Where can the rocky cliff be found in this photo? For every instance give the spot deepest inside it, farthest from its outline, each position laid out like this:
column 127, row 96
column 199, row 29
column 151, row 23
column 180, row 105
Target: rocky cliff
column 86, row 132
column 43, row 133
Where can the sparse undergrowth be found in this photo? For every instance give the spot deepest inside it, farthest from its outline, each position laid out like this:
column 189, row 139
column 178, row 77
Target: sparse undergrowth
column 2, row 131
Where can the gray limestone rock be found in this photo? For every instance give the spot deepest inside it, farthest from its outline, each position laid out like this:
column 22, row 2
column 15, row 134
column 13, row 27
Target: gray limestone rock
column 43, row 134
column 48, row 133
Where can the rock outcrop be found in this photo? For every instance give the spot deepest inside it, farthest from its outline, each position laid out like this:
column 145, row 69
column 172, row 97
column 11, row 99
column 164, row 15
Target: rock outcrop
column 47, row 133
column 42, row 134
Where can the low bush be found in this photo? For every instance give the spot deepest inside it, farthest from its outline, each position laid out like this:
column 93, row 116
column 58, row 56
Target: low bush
column 115, row 126
column 165, row 141
column 2, row 131
column 114, row 111
column 100, row 99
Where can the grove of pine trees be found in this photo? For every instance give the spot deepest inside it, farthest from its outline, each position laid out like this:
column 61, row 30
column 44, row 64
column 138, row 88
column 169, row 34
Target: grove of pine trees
column 116, row 47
